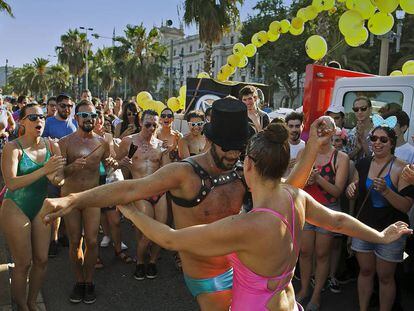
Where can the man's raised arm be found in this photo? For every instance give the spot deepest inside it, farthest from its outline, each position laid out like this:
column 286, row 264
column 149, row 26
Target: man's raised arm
column 118, row 193
column 319, row 133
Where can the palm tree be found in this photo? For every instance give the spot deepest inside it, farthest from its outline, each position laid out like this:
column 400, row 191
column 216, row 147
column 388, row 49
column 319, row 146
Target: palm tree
column 105, row 70
column 140, row 57
column 58, row 78
column 72, row 53
column 39, row 77
column 18, row 79
column 213, row 18
column 5, row 7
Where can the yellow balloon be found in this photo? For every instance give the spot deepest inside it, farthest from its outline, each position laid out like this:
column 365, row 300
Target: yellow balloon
column 364, row 7
column 274, row 28
column 386, row 6
column 203, row 75
column 255, row 40
column 296, row 32
column 284, row 26
column 311, row 12
column 316, row 47
column 183, row 91
column 182, row 102
column 243, row 62
column 262, row 36
column 302, row 14
column 238, row 49
column 233, row 60
column 358, row 37
column 145, row 104
column 142, row 97
column 396, row 73
column 380, row 23
column 159, row 106
column 250, row 50
column 407, row 6
column 173, row 103
column 408, row 68
column 318, row 5
column 350, row 21
column 227, row 70
column 327, row 4
column 297, row 23
column 273, row 36
column 150, row 105
column 221, row 77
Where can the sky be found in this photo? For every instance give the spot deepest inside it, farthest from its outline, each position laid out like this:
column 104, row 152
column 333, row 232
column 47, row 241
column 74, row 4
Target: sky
column 38, row 24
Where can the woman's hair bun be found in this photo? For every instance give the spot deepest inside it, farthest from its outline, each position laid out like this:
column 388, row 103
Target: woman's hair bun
column 276, row 133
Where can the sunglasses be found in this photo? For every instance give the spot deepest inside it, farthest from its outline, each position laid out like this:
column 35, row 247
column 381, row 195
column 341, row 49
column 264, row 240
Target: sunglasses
column 165, row 116
column 34, row 117
column 148, row 125
column 64, row 106
column 363, row 109
column 85, row 115
column 383, row 139
column 132, row 114
column 201, row 123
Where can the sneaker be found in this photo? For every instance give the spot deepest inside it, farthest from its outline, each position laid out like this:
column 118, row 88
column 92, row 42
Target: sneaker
column 53, row 249
column 333, row 285
column 123, row 246
column 152, row 272
column 313, row 283
column 105, row 241
column 78, row 292
column 346, row 278
column 90, row 296
column 139, row 272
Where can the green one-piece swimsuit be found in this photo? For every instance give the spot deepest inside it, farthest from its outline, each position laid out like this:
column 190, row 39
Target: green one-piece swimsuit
column 30, row 198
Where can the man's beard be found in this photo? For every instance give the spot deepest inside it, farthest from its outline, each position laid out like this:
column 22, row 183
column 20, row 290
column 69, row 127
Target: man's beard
column 63, row 116
column 87, row 127
column 219, row 161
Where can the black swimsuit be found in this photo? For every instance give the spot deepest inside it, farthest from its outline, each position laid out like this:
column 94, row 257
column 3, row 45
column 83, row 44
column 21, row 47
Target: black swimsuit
column 208, row 183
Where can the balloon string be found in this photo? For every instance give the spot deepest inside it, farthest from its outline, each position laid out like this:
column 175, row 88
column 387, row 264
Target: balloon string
column 336, row 46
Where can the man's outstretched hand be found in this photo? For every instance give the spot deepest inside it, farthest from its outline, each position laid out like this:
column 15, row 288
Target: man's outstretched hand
column 55, row 208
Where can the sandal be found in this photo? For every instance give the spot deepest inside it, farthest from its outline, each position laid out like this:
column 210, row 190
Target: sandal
column 123, row 256
column 98, row 264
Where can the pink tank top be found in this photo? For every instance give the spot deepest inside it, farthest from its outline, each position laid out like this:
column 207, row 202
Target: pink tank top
column 250, row 290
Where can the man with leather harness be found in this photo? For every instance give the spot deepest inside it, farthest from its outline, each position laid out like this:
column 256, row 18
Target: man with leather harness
column 203, row 188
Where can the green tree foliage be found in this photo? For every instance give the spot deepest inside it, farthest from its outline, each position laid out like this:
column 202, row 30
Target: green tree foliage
column 213, row 18
column 4, row 7
column 140, row 57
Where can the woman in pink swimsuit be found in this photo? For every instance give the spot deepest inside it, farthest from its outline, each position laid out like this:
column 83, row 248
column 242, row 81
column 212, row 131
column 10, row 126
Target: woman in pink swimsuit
column 263, row 244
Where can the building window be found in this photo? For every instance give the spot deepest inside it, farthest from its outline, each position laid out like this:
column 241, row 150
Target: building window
column 182, row 51
column 190, row 69
column 175, row 52
column 213, row 64
column 200, row 46
column 191, row 49
column 231, row 40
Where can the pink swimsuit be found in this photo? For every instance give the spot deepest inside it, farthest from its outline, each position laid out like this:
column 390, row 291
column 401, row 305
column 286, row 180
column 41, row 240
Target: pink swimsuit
column 250, row 291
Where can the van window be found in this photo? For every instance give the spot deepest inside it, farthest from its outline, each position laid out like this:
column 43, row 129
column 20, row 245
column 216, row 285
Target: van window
column 379, row 100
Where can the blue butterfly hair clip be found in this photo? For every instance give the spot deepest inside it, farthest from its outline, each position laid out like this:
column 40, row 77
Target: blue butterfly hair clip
column 390, row 122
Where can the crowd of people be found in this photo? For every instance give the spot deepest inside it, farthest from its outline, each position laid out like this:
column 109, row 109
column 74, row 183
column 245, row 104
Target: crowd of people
column 199, row 193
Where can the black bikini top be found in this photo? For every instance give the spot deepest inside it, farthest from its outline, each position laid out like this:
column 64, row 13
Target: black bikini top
column 208, row 183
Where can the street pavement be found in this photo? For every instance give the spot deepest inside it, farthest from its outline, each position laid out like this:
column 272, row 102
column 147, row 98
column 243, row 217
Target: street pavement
column 118, row 290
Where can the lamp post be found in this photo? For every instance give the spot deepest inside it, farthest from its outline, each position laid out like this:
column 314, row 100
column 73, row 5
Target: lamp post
column 5, row 70
column 86, row 54
column 385, row 44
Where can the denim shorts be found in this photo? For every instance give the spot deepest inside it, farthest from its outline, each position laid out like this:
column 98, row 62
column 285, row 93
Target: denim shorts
column 392, row 252
column 335, row 207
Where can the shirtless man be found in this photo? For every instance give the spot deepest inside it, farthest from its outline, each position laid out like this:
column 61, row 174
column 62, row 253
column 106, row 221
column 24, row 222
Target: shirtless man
column 147, row 155
column 194, row 142
column 84, row 150
column 204, row 188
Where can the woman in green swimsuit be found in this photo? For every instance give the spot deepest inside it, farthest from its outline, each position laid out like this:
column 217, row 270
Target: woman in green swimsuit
column 27, row 163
